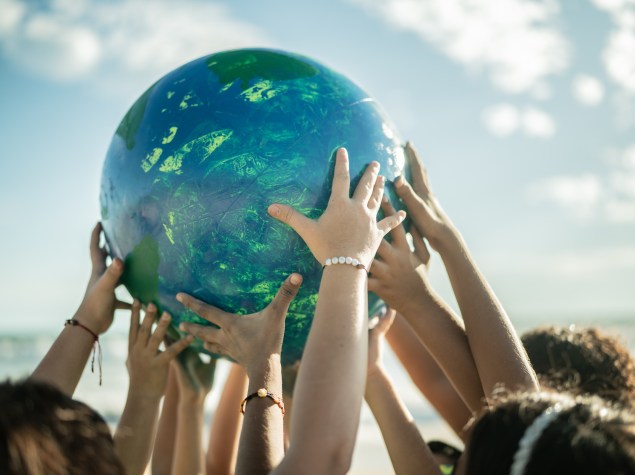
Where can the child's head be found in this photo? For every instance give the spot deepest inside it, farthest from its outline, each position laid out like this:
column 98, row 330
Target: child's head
column 45, row 432
column 582, row 361
column 551, row 434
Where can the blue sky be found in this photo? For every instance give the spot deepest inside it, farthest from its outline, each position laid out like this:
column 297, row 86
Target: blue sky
column 523, row 110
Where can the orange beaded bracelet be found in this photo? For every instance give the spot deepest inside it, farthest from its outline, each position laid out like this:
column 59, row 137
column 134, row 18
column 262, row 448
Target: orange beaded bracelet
column 262, row 393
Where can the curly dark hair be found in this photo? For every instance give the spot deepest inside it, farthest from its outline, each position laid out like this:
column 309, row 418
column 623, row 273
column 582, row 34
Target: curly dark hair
column 588, row 437
column 45, row 432
column 582, row 361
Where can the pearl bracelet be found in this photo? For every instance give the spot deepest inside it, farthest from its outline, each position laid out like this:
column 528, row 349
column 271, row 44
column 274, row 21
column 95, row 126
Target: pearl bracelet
column 344, row 260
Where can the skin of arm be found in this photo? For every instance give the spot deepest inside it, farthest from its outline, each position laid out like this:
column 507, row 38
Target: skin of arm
column 148, row 368
column 163, row 452
column 195, row 379
column 408, row 451
column 427, row 375
column 498, row 353
column 399, row 278
column 63, row 364
column 331, row 379
column 254, row 341
column 222, row 449
column 330, row 383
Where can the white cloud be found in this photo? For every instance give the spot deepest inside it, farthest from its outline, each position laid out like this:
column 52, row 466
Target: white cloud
column 619, row 52
column 579, row 194
column 609, row 196
column 76, row 39
column 537, row 123
column 502, row 119
column 517, row 42
column 588, row 90
column 505, row 119
column 12, row 13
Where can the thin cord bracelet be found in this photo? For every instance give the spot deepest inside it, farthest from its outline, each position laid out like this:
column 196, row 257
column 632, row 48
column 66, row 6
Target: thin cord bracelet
column 75, row 323
column 344, row 260
column 262, row 393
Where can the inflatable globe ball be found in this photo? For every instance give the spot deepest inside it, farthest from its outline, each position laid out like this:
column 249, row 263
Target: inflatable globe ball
column 199, row 157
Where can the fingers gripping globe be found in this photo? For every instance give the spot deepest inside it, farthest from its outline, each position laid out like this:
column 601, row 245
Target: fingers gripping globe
column 199, row 157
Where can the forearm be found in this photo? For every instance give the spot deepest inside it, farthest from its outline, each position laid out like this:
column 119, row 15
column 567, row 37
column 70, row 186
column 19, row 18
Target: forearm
column 441, row 332
column 408, row 451
column 428, row 376
column 188, row 455
column 135, row 432
column 225, row 431
column 498, row 352
column 63, row 364
column 331, row 380
column 163, row 453
column 261, row 440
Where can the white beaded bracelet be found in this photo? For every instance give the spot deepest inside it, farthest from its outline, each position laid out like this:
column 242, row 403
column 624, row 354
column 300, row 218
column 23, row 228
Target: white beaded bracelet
column 345, row 260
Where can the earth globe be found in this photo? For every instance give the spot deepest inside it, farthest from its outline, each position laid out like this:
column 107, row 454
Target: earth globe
column 198, row 158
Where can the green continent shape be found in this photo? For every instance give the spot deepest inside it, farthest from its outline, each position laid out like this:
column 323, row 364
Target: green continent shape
column 141, row 275
column 232, row 65
column 129, row 126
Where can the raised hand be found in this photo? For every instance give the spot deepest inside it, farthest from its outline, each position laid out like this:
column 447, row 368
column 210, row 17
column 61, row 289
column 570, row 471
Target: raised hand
column 398, row 275
column 195, row 377
column 348, row 227
column 98, row 306
column 423, row 208
column 148, row 367
column 247, row 339
column 376, row 341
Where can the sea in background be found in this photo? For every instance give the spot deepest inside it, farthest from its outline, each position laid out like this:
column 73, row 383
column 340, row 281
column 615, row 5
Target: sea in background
column 21, row 351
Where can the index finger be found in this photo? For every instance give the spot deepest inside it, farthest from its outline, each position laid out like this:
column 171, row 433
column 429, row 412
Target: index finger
column 210, row 313
column 418, row 170
column 399, row 239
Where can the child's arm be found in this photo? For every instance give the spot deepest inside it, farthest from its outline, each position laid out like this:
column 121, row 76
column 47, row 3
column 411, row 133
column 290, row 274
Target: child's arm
column 63, row 364
column 163, row 451
column 331, row 380
column 148, row 370
column 427, row 375
column 253, row 341
column 399, row 278
column 195, row 380
column 222, row 450
column 498, row 353
column 408, row 451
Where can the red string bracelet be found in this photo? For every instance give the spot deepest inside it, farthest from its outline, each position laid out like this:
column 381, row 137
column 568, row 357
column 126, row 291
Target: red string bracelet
column 262, row 393
column 75, row 323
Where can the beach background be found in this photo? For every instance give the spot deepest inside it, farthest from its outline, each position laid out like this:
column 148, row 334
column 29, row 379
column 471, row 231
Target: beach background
column 523, row 111
column 20, row 353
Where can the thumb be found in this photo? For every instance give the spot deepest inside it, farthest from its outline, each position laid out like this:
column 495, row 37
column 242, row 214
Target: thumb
column 292, row 218
column 110, row 278
column 286, row 294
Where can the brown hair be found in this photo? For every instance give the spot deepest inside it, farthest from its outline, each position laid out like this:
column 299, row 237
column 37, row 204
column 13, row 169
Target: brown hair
column 588, row 437
column 582, row 361
column 45, row 432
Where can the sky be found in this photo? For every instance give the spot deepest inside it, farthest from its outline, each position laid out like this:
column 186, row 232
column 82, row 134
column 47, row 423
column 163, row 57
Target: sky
column 524, row 113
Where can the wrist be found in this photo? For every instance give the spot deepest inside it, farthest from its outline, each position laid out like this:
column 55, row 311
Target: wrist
column 374, row 381
column 265, row 372
column 137, row 393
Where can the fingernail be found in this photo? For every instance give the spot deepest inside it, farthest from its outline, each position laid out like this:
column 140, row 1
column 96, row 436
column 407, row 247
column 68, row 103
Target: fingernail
column 182, row 327
column 152, row 308
column 179, row 298
column 117, row 264
column 136, row 303
column 384, row 199
column 399, row 181
column 165, row 317
column 295, row 279
column 274, row 210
